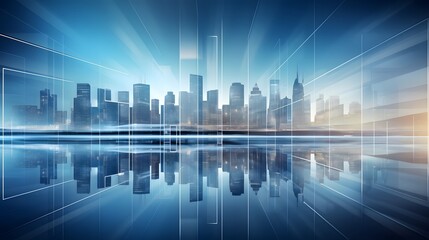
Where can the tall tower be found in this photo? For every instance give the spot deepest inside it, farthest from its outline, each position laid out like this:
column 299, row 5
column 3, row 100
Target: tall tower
column 82, row 106
column 236, row 103
column 274, row 111
column 141, row 103
column 169, row 108
column 196, row 88
column 257, row 109
column 48, row 106
column 298, row 115
column 213, row 106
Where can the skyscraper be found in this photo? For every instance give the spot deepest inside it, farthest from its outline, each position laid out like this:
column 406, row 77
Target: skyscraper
column 169, row 109
column 196, row 87
column 257, row 109
column 236, row 103
column 141, row 103
column 48, row 106
column 298, row 104
column 274, row 111
column 102, row 110
column 213, row 107
column 82, row 106
column 124, row 107
column 285, row 112
column 154, row 111
column 187, row 106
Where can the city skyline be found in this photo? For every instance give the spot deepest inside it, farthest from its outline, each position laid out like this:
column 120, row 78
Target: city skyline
column 214, row 119
column 277, row 114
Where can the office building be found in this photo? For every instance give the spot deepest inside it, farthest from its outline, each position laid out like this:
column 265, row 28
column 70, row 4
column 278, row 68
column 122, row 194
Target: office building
column 257, row 109
column 141, row 103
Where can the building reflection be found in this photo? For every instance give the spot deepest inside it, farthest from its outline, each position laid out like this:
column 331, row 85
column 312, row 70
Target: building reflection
column 82, row 171
column 234, row 163
column 270, row 167
column 273, row 170
column 141, row 173
column 257, row 168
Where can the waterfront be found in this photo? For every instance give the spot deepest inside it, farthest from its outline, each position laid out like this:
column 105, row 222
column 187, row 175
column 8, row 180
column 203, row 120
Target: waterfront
column 272, row 188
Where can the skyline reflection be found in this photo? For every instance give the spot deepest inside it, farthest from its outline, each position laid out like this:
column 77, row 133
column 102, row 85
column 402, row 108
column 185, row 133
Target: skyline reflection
column 296, row 190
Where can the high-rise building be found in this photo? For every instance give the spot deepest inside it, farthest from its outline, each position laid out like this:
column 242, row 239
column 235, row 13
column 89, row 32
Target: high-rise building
column 102, row 110
column 154, row 111
column 169, row 109
column 274, row 110
column 212, row 107
column 108, row 111
column 236, row 104
column 124, row 107
column 141, row 103
column 257, row 109
column 196, row 88
column 48, row 106
column 236, row 95
column 82, row 106
column 298, row 116
column 285, row 112
column 226, row 115
column 187, row 107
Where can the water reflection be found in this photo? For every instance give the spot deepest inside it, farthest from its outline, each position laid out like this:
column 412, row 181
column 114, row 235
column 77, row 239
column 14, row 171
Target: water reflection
column 264, row 189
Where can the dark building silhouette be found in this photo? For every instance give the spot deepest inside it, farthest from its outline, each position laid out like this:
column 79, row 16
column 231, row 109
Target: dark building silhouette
column 196, row 87
column 257, row 109
column 236, row 104
column 82, row 106
column 141, row 104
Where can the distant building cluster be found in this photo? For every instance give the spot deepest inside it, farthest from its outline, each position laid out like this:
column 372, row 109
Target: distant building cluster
column 191, row 110
column 46, row 113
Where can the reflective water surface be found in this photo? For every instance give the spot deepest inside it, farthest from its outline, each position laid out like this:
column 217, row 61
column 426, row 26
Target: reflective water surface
column 243, row 189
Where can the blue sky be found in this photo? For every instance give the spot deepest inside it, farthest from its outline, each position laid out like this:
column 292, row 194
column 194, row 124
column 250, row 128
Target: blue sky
column 162, row 42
